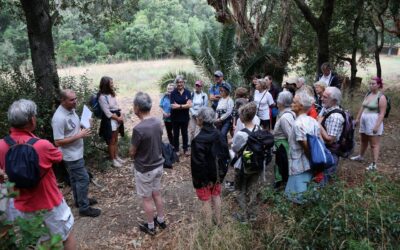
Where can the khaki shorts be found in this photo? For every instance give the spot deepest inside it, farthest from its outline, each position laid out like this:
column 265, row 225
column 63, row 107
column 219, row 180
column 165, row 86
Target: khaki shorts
column 148, row 182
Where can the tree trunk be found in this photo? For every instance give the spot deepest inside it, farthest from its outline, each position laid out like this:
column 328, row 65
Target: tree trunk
column 323, row 47
column 39, row 26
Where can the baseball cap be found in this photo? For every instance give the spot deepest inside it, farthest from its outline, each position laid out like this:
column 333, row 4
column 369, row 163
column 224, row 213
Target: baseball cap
column 218, row 73
column 199, row 83
column 291, row 80
column 226, row 86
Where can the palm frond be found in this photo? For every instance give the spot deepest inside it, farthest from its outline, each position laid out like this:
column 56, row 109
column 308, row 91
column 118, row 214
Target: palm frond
column 190, row 77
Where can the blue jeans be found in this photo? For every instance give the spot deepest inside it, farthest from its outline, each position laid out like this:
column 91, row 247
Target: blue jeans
column 226, row 126
column 79, row 178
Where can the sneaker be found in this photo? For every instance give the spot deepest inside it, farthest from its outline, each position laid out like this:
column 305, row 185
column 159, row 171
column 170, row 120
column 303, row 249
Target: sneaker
column 122, row 161
column 116, row 163
column 371, row 167
column 144, row 227
column 187, row 153
column 357, row 158
column 92, row 201
column 90, row 212
column 162, row 225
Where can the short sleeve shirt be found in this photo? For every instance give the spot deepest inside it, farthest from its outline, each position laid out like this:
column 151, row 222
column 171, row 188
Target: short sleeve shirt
column 263, row 101
column 334, row 123
column 147, row 139
column 65, row 123
column 46, row 194
column 214, row 90
column 180, row 115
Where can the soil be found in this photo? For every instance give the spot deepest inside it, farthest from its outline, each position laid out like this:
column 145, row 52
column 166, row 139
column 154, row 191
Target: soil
column 117, row 226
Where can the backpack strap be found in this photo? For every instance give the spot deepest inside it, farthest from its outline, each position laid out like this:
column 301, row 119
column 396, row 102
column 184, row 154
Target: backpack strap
column 289, row 112
column 10, row 141
column 32, row 141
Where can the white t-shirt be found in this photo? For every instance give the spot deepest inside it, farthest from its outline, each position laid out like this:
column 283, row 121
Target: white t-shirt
column 263, row 100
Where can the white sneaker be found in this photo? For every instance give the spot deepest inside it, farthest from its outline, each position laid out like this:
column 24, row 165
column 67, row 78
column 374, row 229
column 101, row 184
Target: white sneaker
column 120, row 160
column 357, row 158
column 371, row 167
column 116, row 163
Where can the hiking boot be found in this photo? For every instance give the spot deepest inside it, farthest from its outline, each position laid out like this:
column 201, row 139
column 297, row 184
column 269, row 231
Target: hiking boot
column 357, row 158
column 144, row 227
column 371, row 167
column 92, row 201
column 186, row 153
column 120, row 160
column 162, row 225
column 90, row 212
column 116, row 163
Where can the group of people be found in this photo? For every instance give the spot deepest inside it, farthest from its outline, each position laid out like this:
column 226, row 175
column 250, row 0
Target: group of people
column 286, row 114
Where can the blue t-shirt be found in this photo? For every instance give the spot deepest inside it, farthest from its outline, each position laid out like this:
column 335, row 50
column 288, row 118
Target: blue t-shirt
column 214, row 90
column 165, row 104
column 180, row 115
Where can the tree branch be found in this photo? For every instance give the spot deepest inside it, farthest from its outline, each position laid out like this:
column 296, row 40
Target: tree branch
column 308, row 15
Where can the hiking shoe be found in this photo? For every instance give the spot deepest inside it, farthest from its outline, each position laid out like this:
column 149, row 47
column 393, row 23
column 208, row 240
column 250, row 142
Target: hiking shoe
column 92, row 201
column 162, row 225
column 357, row 158
column 144, row 227
column 116, row 163
column 120, row 160
column 371, row 167
column 90, row 212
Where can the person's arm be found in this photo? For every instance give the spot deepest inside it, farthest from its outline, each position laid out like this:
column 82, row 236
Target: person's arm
column 286, row 125
column 105, row 107
column 305, row 147
column 328, row 139
column 132, row 151
column 382, row 110
column 213, row 96
column 68, row 140
column 229, row 109
column 358, row 117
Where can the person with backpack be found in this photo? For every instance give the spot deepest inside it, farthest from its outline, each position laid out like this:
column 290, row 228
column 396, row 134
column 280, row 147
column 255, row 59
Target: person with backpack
column 68, row 137
column 282, row 131
column 112, row 121
column 165, row 105
column 209, row 164
column 248, row 163
column 370, row 118
column 199, row 100
column 331, row 126
column 300, row 173
column 36, row 184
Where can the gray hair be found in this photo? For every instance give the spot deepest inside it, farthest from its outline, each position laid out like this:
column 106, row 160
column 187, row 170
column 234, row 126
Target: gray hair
column 334, row 94
column 142, row 101
column 262, row 82
column 206, row 114
column 64, row 93
column 179, row 78
column 21, row 112
column 285, row 98
column 321, row 84
column 305, row 100
column 326, row 65
column 301, row 80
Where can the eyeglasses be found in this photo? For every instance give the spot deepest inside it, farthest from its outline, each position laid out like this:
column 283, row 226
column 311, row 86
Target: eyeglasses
column 198, row 85
column 180, row 82
column 372, row 83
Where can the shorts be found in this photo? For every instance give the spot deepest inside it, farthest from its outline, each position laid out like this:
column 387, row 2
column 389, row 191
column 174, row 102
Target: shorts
column 114, row 125
column 367, row 124
column 265, row 124
column 148, row 182
column 205, row 193
column 58, row 220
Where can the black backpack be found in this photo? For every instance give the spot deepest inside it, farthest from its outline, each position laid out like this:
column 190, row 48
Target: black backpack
column 220, row 156
column 170, row 156
column 345, row 146
column 257, row 151
column 22, row 163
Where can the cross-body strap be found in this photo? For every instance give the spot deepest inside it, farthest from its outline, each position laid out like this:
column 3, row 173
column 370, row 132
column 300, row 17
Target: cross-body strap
column 259, row 104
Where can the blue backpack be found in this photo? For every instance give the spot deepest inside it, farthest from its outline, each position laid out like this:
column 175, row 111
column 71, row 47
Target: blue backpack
column 321, row 157
column 22, row 163
column 94, row 104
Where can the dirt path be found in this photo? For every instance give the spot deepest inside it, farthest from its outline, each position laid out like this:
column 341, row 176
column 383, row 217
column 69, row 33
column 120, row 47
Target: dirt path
column 117, row 227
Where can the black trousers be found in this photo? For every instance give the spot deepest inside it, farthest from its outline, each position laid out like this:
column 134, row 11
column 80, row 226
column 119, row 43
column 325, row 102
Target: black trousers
column 168, row 127
column 183, row 128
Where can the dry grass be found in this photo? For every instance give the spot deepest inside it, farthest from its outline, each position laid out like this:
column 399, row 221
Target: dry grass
column 131, row 76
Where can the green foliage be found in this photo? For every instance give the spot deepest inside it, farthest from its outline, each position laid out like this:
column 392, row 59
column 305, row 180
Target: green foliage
column 168, row 78
column 24, row 233
column 361, row 217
